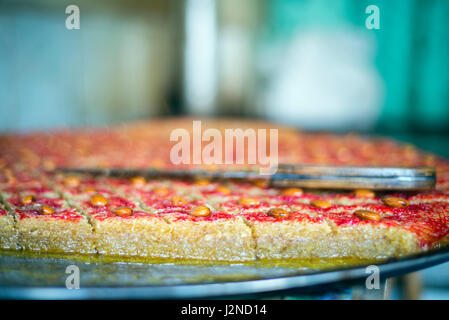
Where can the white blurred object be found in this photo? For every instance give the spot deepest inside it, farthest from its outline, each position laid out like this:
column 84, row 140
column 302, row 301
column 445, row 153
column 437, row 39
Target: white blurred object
column 235, row 65
column 326, row 79
column 200, row 56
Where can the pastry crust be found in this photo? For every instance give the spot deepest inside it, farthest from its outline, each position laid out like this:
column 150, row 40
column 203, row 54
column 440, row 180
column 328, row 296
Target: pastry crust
column 221, row 237
column 64, row 232
column 160, row 218
column 143, row 235
column 8, row 231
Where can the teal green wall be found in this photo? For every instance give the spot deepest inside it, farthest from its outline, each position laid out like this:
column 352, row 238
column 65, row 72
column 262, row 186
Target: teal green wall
column 412, row 58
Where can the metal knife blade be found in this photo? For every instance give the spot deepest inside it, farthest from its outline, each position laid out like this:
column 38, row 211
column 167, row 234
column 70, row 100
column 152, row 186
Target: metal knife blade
column 292, row 175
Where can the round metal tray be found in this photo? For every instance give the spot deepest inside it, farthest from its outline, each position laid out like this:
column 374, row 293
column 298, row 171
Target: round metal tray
column 24, row 277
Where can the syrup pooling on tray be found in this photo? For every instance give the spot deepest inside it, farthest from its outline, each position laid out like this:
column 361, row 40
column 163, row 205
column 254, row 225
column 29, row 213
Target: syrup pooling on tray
column 203, row 219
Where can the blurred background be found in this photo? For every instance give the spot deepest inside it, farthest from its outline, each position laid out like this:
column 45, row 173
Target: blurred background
column 311, row 64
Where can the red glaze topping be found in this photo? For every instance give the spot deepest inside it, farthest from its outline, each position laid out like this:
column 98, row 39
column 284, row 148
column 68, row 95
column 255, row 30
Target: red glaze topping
column 23, row 155
column 62, row 214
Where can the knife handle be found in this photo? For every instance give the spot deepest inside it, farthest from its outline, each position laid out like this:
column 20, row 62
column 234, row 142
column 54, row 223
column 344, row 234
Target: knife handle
column 353, row 177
